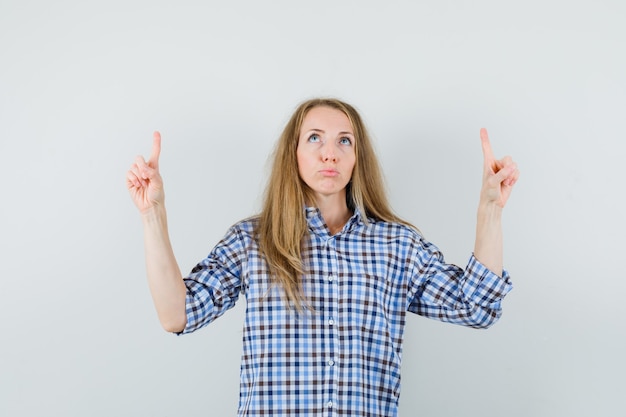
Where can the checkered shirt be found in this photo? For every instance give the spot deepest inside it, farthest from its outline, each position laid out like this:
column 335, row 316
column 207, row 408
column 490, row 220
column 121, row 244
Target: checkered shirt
column 342, row 355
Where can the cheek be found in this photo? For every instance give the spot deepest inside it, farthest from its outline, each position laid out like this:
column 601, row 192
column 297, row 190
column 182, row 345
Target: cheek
column 302, row 163
column 352, row 164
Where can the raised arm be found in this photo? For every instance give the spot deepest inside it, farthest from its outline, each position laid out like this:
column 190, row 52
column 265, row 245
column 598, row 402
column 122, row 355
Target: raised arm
column 145, row 186
column 499, row 177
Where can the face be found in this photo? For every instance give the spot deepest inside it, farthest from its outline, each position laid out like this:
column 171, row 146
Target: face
column 325, row 151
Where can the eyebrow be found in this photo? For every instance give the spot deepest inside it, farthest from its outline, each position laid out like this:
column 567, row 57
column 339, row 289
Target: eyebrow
column 322, row 131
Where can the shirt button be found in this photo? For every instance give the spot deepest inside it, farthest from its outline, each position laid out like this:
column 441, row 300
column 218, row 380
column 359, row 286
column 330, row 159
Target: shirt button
column 329, row 404
column 330, row 278
column 331, row 362
column 331, row 322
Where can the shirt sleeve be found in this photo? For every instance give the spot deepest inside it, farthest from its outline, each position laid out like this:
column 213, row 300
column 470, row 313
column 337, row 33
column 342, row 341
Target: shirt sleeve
column 470, row 297
column 214, row 284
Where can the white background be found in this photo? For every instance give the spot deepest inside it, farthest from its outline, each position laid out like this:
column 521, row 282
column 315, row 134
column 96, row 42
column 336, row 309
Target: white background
column 83, row 85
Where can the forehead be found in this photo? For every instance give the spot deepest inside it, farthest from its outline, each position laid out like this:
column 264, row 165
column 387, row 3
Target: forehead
column 327, row 119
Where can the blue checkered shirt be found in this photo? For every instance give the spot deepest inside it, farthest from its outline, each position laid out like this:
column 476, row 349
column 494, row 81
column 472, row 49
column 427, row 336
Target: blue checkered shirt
column 342, row 356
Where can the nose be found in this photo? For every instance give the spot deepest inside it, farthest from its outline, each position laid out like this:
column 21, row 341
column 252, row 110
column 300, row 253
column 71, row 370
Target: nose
column 328, row 153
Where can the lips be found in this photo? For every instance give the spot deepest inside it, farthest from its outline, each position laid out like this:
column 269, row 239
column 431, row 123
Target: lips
column 329, row 172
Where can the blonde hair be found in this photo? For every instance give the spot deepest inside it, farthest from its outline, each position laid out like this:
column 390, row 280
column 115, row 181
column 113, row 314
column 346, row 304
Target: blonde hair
column 282, row 222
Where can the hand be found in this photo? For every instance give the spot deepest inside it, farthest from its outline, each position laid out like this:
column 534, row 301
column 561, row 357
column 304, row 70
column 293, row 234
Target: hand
column 144, row 181
column 499, row 176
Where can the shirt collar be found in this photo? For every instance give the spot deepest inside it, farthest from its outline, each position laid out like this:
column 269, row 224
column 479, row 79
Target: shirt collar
column 318, row 226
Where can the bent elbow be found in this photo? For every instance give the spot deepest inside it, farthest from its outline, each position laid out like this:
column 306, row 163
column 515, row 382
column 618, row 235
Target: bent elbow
column 174, row 325
column 484, row 318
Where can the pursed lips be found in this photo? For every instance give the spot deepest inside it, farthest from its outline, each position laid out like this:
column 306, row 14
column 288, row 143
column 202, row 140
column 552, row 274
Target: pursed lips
column 329, row 172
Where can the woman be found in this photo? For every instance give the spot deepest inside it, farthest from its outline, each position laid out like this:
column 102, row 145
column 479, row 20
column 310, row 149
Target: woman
column 327, row 270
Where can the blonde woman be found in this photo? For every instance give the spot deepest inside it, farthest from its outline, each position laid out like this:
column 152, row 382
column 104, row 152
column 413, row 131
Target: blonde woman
column 327, row 269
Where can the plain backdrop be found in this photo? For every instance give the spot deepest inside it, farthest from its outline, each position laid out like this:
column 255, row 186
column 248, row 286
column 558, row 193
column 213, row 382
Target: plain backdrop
column 83, row 84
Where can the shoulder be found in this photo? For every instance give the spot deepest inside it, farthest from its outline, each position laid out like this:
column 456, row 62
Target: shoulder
column 247, row 226
column 241, row 234
column 392, row 230
column 246, row 229
column 394, row 227
column 406, row 239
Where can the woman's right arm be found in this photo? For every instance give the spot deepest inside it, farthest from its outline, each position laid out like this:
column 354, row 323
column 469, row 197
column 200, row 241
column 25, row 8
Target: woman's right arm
column 165, row 280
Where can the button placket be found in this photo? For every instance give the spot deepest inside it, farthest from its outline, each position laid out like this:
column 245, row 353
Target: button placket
column 331, row 315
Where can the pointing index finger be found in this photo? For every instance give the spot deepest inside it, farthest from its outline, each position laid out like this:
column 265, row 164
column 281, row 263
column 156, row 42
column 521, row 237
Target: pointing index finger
column 487, row 152
column 156, row 149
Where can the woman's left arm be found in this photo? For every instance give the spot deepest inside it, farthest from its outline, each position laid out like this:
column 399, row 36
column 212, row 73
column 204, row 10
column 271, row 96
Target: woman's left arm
column 499, row 177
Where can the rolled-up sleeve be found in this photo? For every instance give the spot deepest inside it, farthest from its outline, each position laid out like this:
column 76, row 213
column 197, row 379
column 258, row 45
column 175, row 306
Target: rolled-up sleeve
column 469, row 297
column 214, row 284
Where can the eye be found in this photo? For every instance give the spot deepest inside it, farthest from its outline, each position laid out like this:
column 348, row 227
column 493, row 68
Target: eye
column 345, row 141
column 314, row 138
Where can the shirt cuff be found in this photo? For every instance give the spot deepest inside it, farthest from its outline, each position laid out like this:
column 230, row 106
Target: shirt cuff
column 483, row 286
column 193, row 315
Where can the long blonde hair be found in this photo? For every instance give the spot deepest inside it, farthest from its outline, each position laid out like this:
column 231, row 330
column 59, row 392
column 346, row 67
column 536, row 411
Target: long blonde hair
column 282, row 222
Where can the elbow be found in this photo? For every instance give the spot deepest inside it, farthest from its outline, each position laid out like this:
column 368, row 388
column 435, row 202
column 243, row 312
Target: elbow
column 173, row 324
column 484, row 318
column 476, row 317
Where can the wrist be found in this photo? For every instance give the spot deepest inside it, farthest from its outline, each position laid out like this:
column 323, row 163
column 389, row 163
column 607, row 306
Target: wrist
column 489, row 211
column 155, row 214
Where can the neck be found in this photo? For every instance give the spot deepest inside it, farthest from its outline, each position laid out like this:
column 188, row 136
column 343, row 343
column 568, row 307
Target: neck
column 334, row 211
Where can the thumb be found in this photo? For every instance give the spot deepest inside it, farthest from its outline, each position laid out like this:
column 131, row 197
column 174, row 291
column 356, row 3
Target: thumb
column 506, row 172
